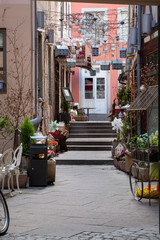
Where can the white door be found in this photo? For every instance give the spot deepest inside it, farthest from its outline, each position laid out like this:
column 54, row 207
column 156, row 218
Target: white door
column 100, row 95
column 94, row 94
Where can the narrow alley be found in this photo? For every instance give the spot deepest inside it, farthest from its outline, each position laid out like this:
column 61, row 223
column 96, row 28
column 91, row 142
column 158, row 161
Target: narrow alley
column 86, row 202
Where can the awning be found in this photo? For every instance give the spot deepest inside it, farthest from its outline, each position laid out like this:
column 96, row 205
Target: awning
column 83, row 64
column 145, row 99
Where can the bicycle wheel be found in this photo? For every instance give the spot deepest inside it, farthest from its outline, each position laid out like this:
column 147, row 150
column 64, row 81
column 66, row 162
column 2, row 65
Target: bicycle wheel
column 4, row 215
column 136, row 183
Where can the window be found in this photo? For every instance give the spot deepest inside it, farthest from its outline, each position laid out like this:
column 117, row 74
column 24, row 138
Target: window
column 88, row 88
column 3, row 79
column 100, row 88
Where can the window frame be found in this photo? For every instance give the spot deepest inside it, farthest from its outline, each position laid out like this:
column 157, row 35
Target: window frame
column 4, row 68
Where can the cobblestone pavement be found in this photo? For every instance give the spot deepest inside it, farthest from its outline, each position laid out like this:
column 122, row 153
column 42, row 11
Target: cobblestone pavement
column 122, row 234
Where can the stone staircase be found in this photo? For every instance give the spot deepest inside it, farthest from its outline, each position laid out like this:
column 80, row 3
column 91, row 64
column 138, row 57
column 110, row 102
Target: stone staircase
column 88, row 143
column 90, row 136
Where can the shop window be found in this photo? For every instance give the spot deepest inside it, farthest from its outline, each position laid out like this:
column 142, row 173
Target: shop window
column 3, row 80
column 88, row 88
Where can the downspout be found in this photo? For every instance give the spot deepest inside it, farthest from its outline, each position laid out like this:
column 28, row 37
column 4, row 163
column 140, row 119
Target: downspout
column 139, row 60
column 35, row 15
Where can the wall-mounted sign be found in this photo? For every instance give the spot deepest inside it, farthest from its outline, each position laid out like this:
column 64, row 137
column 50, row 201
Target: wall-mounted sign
column 67, row 94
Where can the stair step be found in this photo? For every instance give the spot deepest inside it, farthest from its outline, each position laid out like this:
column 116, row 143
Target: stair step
column 89, row 147
column 93, row 135
column 83, row 130
column 82, row 143
column 90, row 124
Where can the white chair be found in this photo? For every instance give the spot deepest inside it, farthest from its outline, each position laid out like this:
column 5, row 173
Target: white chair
column 5, row 163
column 14, row 167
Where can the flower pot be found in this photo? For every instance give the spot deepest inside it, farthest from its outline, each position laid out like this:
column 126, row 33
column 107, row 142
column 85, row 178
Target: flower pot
column 51, row 170
column 67, row 126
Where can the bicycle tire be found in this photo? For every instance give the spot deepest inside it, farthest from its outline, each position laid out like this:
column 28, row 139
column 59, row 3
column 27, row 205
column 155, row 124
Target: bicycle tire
column 4, row 215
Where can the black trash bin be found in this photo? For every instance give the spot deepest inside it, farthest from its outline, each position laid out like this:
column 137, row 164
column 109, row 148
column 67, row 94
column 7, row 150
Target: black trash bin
column 38, row 165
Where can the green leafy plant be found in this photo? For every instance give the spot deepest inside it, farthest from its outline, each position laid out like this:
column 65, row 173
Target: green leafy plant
column 53, row 126
column 154, row 139
column 27, row 130
column 6, row 126
column 65, row 106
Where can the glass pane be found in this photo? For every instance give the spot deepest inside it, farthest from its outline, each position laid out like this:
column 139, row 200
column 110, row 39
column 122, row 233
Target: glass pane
column 100, row 95
column 1, row 84
column 100, row 80
column 89, row 88
column 88, row 81
column 1, row 40
column 100, row 88
column 88, row 95
column 1, row 59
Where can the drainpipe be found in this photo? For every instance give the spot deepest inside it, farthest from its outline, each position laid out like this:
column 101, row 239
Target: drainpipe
column 139, row 59
column 35, row 15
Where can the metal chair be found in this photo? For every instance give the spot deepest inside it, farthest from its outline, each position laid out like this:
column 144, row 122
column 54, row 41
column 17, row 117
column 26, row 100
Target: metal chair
column 5, row 162
column 14, row 167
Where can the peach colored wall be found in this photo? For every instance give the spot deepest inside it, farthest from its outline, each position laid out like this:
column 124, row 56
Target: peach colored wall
column 76, row 8
column 16, row 17
column 75, row 85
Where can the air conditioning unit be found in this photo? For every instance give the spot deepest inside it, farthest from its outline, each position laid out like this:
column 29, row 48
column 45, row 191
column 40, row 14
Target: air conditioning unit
column 95, row 50
column 71, row 62
column 133, row 36
column 123, row 52
column 61, row 51
column 116, row 64
column 147, row 24
column 105, row 66
column 40, row 19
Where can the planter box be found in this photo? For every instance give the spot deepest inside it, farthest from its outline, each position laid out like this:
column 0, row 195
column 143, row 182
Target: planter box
column 122, row 165
column 144, row 173
column 128, row 162
column 116, row 163
column 22, row 181
column 81, row 118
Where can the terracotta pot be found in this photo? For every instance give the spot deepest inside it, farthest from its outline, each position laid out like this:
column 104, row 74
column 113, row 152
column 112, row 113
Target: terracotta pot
column 51, row 170
column 67, row 126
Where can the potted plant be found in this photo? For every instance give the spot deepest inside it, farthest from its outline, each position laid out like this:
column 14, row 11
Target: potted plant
column 27, row 130
column 65, row 115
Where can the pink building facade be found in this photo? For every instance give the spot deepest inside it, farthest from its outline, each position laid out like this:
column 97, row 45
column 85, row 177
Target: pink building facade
column 105, row 27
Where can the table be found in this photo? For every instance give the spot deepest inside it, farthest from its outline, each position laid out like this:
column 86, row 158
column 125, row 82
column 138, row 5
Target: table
column 87, row 108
